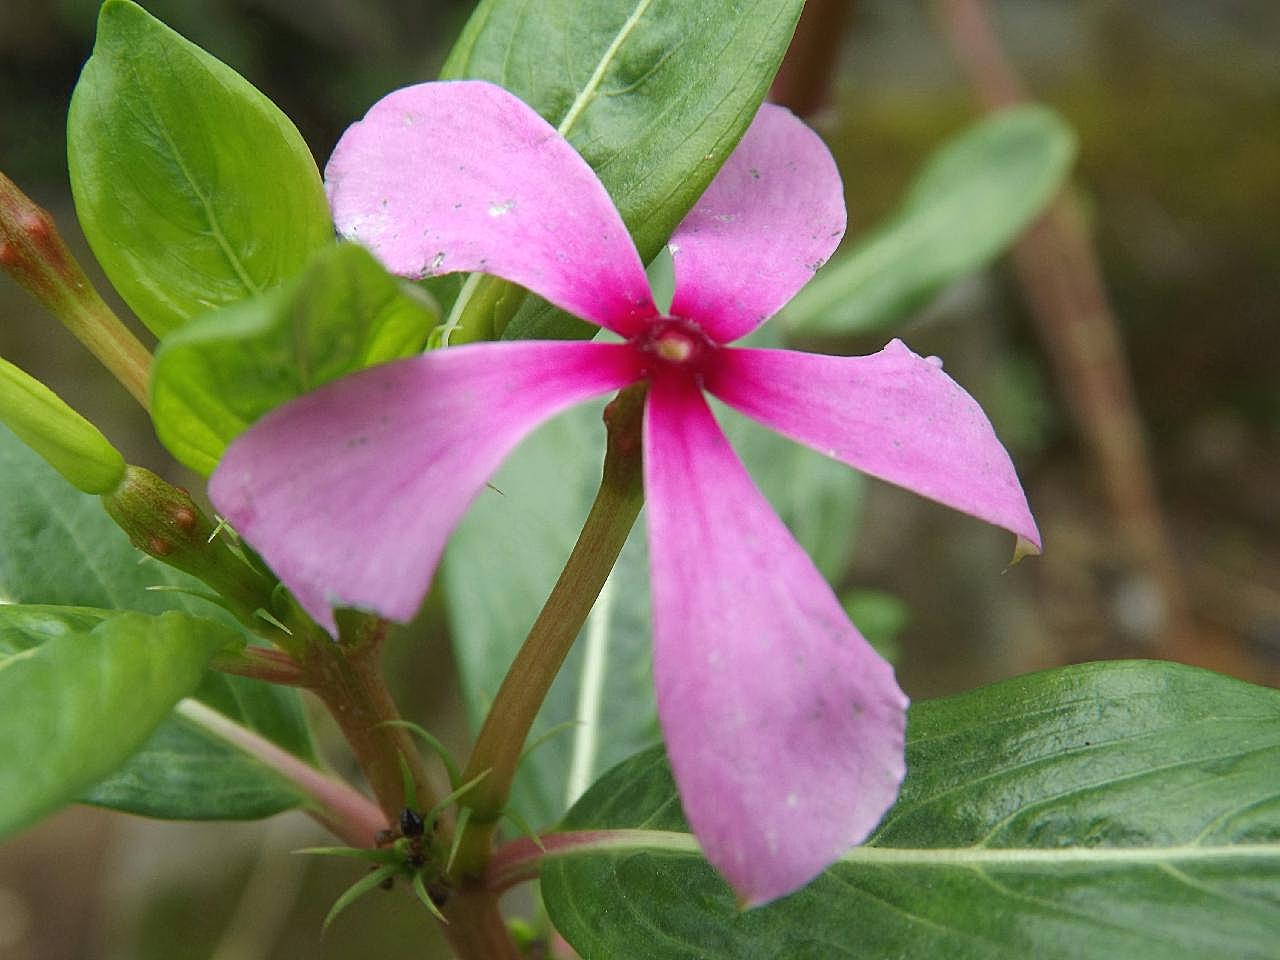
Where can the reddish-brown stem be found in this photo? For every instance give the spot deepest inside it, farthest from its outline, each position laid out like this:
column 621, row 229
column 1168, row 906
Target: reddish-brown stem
column 1058, row 269
column 33, row 253
column 349, row 680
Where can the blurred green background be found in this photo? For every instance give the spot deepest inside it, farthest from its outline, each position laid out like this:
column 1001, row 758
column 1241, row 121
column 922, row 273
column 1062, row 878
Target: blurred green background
column 1177, row 106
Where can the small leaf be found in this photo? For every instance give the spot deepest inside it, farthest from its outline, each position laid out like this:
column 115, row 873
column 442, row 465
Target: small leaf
column 450, row 765
column 355, row 853
column 193, row 189
column 973, row 198
column 1126, row 809
column 358, row 890
column 82, row 690
column 420, row 891
column 219, row 374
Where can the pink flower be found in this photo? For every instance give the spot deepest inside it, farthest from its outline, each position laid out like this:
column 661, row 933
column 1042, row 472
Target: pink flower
column 783, row 727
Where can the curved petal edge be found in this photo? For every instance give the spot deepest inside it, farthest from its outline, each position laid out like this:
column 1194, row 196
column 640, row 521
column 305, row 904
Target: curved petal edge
column 893, row 414
column 771, row 217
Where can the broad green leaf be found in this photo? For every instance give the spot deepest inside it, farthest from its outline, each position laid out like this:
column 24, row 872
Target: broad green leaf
column 1125, row 809
column 185, row 772
column 219, row 374
column 61, row 548
column 966, row 207
column 653, row 93
column 193, row 189
column 82, row 691
column 505, row 556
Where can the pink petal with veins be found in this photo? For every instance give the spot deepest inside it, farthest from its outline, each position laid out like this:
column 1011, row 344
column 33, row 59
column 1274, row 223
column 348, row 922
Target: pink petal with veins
column 783, row 726
column 443, row 177
column 772, row 215
column 894, row 415
column 350, row 492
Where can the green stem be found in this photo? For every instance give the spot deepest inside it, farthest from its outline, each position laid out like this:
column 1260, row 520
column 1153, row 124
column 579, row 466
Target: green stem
column 501, row 740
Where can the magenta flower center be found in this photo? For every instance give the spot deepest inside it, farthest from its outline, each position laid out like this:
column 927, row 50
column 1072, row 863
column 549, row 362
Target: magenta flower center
column 673, row 344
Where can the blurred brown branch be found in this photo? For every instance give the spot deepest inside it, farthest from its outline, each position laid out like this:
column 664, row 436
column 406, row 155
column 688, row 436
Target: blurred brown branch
column 803, row 82
column 1059, row 272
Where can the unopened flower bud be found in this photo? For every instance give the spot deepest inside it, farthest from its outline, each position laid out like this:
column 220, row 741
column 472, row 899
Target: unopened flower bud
column 33, row 253
column 67, row 441
column 164, row 522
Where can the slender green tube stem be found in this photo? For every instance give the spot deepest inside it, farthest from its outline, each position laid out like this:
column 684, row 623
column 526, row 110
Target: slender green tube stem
column 502, row 737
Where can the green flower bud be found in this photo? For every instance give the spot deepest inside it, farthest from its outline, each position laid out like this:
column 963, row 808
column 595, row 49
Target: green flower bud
column 164, row 522
column 68, row 442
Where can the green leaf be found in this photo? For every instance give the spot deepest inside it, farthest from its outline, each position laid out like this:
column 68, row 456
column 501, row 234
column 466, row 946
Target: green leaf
column 61, row 548
column 1127, row 809
column 186, row 772
column 81, row 691
column 219, row 374
column 966, row 207
column 506, row 554
column 193, row 189
column 653, row 93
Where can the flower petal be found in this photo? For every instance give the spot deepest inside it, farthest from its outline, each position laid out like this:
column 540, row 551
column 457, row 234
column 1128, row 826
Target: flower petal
column 350, row 492
column 771, row 217
column 783, row 726
column 443, row 177
column 894, row 415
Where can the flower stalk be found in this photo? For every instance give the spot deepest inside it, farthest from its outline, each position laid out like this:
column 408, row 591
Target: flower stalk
column 502, row 737
column 347, row 676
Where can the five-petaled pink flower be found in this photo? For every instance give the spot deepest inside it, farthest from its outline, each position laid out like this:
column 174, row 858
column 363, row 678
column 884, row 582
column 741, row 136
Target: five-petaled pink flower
column 783, row 727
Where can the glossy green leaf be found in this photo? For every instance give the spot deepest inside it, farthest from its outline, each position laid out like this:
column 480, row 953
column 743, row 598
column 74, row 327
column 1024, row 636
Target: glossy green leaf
column 61, row 548
column 82, row 690
column 505, row 556
column 219, row 374
column 1127, row 809
column 186, row 772
column 193, row 189
column 966, row 207
column 653, row 93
